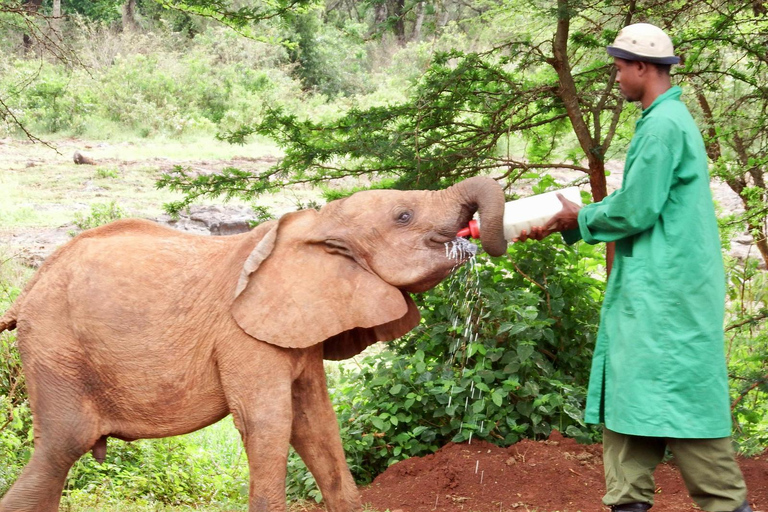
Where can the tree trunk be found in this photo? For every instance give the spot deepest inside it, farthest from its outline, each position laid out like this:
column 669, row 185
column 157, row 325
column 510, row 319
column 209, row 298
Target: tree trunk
column 599, row 188
column 442, row 12
column 129, row 16
column 379, row 13
column 416, row 35
column 56, row 21
column 31, row 7
column 570, row 97
column 757, row 219
column 399, row 15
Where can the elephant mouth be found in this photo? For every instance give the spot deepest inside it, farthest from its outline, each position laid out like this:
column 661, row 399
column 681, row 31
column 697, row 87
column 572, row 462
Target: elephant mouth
column 457, row 252
column 456, row 248
column 460, row 250
column 442, row 236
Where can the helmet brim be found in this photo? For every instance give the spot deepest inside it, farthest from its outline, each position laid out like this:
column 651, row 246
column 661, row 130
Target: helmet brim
column 627, row 55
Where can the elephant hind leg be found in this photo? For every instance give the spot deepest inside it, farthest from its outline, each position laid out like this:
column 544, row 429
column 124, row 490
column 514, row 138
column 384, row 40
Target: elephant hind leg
column 65, row 428
column 41, row 483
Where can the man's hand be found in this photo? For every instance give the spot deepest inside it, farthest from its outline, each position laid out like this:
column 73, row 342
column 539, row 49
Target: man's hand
column 564, row 220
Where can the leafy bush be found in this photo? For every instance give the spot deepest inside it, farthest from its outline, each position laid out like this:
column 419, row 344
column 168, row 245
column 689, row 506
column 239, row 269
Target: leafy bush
column 330, row 61
column 46, row 97
column 15, row 417
column 747, row 352
column 172, row 471
column 15, row 439
column 177, row 89
column 104, row 173
column 300, row 484
column 101, row 213
column 507, row 363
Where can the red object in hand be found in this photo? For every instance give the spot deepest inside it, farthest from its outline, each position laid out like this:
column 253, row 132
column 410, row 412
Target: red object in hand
column 472, row 229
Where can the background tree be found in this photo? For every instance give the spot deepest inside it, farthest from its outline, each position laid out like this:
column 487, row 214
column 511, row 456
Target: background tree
column 729, row 80
column 128, row 16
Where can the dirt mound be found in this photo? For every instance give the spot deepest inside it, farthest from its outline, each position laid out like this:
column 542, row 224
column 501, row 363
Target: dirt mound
column 553, row 475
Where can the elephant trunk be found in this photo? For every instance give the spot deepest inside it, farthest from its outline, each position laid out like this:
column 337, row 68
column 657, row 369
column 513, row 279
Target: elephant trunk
column 486, row 196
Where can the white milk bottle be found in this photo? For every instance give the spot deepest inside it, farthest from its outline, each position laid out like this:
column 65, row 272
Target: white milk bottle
column 528, row 212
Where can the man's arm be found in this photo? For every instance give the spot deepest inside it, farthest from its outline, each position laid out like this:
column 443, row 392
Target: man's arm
column 632, row 209
column 566, row 219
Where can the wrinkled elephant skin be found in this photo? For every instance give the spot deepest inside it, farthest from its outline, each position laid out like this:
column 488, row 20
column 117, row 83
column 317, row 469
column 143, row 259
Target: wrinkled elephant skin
column 133, row 330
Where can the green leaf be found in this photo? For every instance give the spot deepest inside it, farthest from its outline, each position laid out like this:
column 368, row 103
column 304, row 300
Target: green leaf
column 524, row 352
column 517, row 328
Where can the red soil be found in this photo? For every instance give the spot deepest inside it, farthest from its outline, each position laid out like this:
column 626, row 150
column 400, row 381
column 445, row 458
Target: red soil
column 544, row 476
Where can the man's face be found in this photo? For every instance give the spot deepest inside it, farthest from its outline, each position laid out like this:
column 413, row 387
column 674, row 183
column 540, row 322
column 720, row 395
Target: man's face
column 631, row 83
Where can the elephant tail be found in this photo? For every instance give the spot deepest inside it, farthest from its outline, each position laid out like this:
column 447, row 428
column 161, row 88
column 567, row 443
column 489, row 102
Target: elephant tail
column 8, row 320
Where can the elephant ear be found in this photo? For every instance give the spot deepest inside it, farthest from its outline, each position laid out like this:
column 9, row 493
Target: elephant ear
column 295, row 291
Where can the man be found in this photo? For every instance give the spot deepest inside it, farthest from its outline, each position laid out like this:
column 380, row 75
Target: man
column 658, row 377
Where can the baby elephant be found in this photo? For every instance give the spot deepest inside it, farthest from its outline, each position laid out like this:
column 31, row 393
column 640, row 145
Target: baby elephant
column 133, row 330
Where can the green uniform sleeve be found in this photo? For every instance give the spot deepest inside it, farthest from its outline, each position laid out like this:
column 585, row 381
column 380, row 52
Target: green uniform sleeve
column 571, row 236
column 637, row 205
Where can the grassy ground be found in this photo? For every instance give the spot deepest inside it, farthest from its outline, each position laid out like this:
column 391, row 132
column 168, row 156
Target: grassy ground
column 42, row 187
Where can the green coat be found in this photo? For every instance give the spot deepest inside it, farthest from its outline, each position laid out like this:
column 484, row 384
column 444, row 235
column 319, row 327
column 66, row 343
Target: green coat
column 659, row 364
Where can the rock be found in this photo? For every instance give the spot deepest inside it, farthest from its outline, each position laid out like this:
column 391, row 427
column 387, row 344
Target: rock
column 80, row 159
column 212, row 220
column 743, row 247
column 34, row 246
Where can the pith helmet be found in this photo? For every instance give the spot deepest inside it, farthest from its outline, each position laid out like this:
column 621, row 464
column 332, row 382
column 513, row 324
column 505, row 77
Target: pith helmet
column 645, row 42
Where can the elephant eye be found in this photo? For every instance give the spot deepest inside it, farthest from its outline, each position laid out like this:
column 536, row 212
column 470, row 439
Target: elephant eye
column 404, row 217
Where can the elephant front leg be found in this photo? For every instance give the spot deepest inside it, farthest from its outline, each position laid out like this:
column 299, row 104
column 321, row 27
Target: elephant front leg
column 262, row 415
column 315, row 436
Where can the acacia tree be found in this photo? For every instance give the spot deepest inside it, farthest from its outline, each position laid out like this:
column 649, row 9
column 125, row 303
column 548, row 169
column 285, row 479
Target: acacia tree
column 541, row 89
column 407, row 20
column 729, row 79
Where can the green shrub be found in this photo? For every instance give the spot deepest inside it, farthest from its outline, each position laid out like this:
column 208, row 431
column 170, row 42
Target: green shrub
column 103, row 173
column 330, row 61
column 45, row 97
column 746, row 343
column 172, row 471
column 15, row 439
column 181, row 87
column 15, row 417
column 100, row 214
column 508, row 363
column 300, row 484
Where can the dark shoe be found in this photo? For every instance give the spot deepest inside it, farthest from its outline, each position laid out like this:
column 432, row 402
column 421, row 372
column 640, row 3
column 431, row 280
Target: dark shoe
column 744, row 508
column 639, row 507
